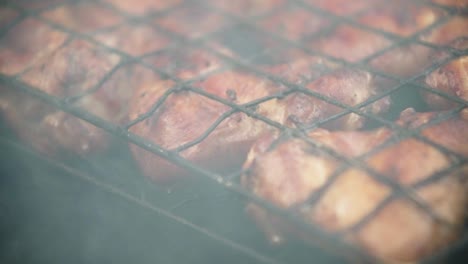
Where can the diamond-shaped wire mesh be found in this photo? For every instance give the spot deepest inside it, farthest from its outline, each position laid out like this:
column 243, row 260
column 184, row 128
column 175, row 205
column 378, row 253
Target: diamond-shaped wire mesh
column 215, row 65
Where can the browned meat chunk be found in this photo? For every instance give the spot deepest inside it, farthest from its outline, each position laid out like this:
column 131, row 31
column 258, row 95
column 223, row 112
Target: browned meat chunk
column 343, row 7
column 83, row 16
column 16, row 50
column 70, row 71
column 247, row 7
column 192, row 20
column 61, row 66
column 135, row 40
column 451, row 78
column 346, row 86
column 402, row 19
column 143, row 7
column 400, row 232
column 294, row 23
column 186, row 116
column 454, row 3
column 448, row 32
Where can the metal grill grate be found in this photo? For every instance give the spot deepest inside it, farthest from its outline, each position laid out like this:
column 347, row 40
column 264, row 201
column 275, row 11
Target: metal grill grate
column 205, row 36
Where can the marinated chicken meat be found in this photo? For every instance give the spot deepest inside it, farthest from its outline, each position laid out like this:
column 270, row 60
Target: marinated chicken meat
column 136, row 40
column 343, row 85
column 83, row 16
column 343, row 7
column 293, row 171
column 17, row 55
column 349, row 42
column 247, row 7
column 452, row 3
column 192, row 21
column 54, row 63
column 143, row 7
column 16, row 51
column 70, row 71
column 294, row 23
column 362, row 41
column 451, row 78
column 354, row 44
column 186, row 115
column 97, row 55
column 448, row 32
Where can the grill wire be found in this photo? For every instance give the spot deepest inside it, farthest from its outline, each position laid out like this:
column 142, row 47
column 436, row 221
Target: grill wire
column 229, row 183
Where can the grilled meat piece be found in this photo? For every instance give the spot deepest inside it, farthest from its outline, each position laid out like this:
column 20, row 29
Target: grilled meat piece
column 55, row 63
column 293, row 172
column 451, row 78
column 343, row 7
column 448, row 32
column 143, row 7
column 186, row 63
column 453, row 3
column 294, row 23
column 192, row 20
column 402, row 19
column 245, row 8
column 73, row 70
column 82, row 16
column 135, row 40
column 346, row 86
column 26, row 43
column 185, row 116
